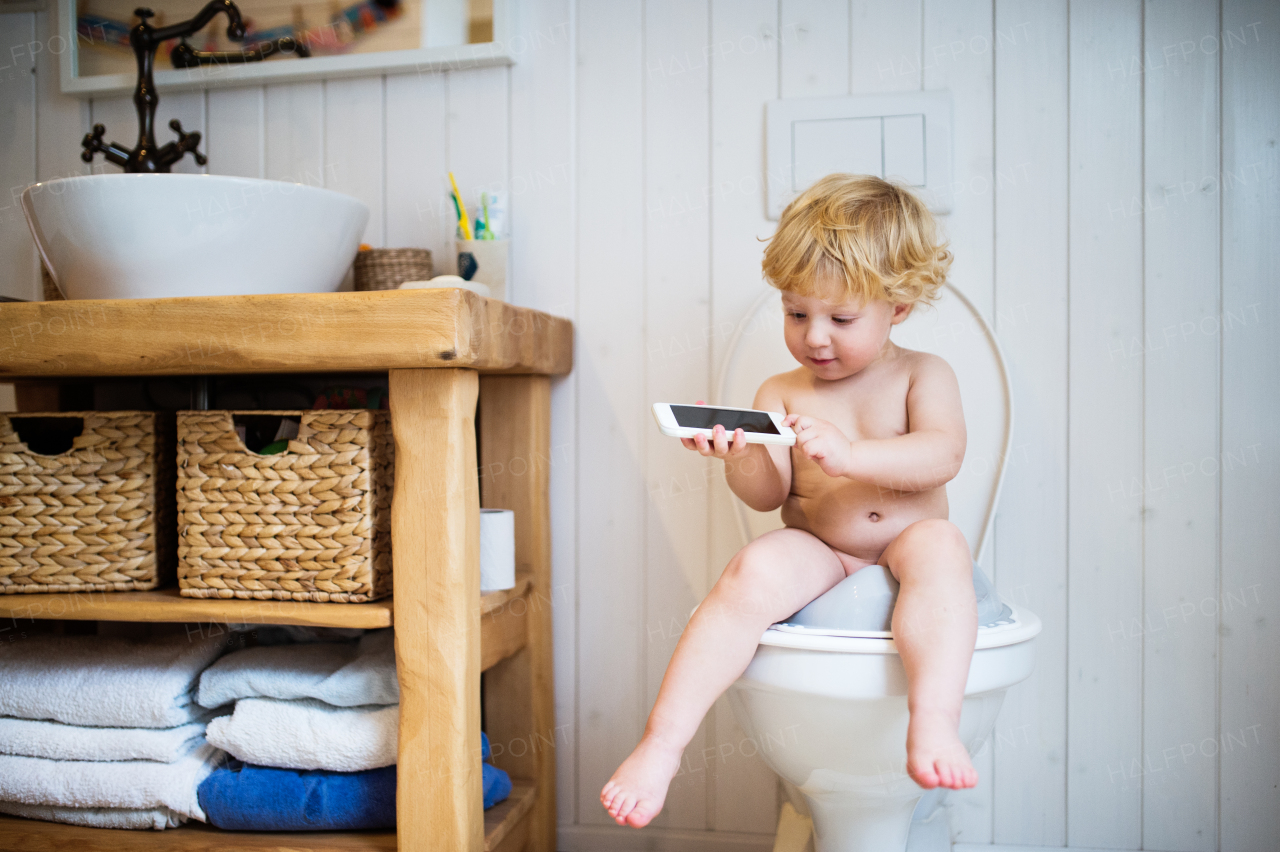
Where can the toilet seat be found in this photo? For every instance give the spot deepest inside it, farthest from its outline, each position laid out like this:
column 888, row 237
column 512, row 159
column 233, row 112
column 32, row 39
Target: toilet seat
column 1021, row 626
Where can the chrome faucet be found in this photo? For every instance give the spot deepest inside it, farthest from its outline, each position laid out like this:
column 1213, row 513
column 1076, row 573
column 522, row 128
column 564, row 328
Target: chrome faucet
column 145, row 39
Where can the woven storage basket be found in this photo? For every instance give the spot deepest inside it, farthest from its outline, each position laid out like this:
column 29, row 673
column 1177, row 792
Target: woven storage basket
column 98, row 517
column 309, row 524
column 387, row 269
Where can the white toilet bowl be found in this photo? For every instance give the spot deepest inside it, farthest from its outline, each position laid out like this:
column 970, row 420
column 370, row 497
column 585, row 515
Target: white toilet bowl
column 827, row 707
column 828, row 711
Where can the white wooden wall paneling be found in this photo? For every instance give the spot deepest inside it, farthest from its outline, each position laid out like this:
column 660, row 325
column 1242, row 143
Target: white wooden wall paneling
column 744, row 74
column 235, row 141
column 61, row 120
column 1181, row 225
column 1030, row 54
column 479, row 134
column 542, row 275
column 884, row 46
column 1249, row 750
column 419, row 213
column 677, row 272
column 1104, row 584
column 814, row 35
column 18, row 142
column 294, row 129
column 955, row 55
column 612, row 705
column 353, row 146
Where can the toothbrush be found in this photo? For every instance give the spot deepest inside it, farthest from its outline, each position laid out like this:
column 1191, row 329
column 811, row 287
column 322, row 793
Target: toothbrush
column 463, row 219
column 484, row 202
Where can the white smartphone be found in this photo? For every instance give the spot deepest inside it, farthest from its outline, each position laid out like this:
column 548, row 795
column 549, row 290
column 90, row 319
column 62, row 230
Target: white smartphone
column 685, row 421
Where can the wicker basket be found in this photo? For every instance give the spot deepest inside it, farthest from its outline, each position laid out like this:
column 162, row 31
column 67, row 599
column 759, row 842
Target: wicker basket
column 387, row 269
column 98, row 517
column 309, row 524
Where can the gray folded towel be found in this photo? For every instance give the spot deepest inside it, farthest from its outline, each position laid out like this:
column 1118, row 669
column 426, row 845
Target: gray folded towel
column 344, row 674
column 136, row 818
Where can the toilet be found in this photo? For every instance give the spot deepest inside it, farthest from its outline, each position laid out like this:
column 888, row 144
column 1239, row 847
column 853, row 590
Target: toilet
column 826, row 688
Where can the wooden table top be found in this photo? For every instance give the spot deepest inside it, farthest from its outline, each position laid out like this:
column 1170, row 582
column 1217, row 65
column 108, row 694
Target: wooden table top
column 291, row 333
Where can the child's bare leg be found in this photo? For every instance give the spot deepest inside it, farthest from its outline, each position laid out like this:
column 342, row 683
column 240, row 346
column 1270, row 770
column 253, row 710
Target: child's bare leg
column 935, row 622
column 767, row 580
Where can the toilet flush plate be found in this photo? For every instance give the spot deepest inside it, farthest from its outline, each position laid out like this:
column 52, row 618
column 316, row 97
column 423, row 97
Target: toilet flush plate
column 904, row 136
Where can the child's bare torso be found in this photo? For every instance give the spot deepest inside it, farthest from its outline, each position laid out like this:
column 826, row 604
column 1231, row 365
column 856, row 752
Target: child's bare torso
column 857, row 518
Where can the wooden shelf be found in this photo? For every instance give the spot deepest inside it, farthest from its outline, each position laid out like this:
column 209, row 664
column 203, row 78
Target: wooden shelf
column 504, row 625
column 505, row 830
column 287, row 333
column 506, row 824
column 168, row 605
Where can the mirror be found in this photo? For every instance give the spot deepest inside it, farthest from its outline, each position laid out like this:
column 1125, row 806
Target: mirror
column 345, row 38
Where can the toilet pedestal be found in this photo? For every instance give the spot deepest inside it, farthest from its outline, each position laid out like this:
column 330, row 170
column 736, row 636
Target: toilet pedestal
column 930, row 829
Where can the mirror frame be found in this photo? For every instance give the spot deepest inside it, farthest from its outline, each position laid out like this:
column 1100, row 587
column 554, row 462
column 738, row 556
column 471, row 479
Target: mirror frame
column 169, row 79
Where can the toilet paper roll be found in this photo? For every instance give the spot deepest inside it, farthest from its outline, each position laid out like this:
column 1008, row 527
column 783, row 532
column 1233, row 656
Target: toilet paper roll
column 497, row 549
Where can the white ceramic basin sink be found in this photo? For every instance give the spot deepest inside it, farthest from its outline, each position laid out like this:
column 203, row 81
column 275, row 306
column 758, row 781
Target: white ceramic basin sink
column 128, row 236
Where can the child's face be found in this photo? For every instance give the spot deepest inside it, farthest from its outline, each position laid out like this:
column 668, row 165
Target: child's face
column 835, row 340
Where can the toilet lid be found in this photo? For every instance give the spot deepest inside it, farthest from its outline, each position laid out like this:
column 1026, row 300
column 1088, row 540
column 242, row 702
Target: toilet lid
column 1018, row 626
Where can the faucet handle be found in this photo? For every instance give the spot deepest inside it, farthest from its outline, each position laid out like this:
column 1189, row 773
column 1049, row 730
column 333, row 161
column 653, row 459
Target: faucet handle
column 92, row 143
column 188, row 142
column 143, row 14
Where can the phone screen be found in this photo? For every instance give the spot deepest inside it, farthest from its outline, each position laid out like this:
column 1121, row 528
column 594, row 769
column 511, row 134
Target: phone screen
column 704, row 417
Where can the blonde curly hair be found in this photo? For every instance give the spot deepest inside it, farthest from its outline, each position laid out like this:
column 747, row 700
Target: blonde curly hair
column 874, row 237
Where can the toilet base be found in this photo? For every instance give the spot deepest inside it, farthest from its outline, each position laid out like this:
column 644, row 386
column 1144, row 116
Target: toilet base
column 931, row 834
column 848, row 824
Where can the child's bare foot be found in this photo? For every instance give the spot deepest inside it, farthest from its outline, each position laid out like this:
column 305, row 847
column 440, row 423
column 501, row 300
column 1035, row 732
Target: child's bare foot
column 935, row 755
column 635, row 793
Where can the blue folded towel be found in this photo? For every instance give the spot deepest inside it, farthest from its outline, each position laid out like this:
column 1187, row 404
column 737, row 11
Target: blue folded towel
column 241, row 796
column 244, row 797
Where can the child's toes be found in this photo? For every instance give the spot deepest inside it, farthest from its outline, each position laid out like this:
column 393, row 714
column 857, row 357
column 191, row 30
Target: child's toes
column 623, row 806
column 925, row 776
column 948, row 777
column 641, row 815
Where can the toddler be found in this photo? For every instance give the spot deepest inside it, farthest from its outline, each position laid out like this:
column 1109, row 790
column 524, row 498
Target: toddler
column 879, row 432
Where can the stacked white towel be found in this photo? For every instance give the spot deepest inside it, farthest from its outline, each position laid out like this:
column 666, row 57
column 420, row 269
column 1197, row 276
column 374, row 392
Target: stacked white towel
column 105, row 731
column 110, row 681
column 137, row 818
column 54, row 740
column 308, row 734
column 133, row 784
column 325, row 705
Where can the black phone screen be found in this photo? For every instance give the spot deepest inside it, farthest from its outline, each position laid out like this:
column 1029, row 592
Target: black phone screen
column 705, row 417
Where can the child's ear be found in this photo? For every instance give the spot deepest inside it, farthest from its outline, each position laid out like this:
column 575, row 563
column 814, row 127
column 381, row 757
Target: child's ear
column 901, row 312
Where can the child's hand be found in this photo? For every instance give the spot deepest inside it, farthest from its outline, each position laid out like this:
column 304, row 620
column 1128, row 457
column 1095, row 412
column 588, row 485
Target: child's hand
column 822, row 442
column 722, row 445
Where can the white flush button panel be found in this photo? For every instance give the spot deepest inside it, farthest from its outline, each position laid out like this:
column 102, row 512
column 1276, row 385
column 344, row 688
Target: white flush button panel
column 904, row 137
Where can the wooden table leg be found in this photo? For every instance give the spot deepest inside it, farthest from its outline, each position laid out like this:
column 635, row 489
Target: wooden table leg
column 515, row 457
column 435, row 535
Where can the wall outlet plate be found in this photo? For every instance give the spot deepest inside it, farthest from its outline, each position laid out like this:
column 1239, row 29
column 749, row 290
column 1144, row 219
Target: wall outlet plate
column 904, row 136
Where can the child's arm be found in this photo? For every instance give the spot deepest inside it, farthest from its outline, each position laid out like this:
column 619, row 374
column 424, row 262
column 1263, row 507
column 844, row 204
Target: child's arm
column 928, row 456
column 760, row 474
